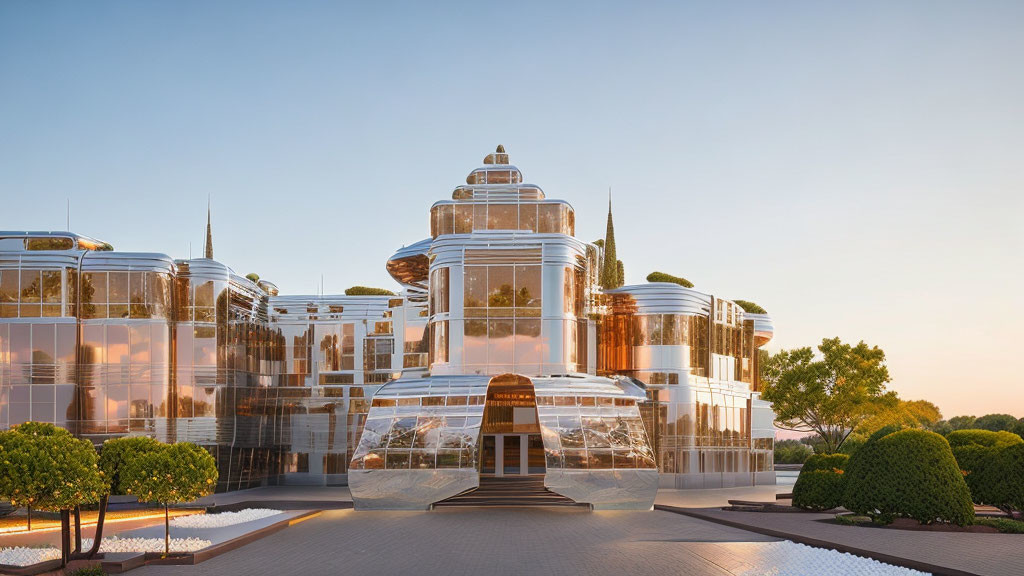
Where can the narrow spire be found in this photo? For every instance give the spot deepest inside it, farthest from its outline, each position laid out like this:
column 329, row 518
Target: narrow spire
column 208, row 250
column 610, row 276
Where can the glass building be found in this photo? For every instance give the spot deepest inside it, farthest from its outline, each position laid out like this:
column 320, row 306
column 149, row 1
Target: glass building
column 499, row 357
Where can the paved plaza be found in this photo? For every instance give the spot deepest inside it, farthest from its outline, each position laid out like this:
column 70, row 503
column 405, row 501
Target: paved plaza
column 494, row 541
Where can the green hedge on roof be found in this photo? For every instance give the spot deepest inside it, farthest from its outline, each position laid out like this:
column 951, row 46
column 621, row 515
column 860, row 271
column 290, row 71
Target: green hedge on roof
column 367, row 291
column 662, row 277
column 750, row 307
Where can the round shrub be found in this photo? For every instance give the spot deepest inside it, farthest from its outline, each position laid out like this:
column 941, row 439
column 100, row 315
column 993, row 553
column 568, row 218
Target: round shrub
column 973, row 447
column 818, row 490
column 910, row 473
column 827, row 462
column 820, row 484
column 999, row 480
column 983, row 438
column 116, row 454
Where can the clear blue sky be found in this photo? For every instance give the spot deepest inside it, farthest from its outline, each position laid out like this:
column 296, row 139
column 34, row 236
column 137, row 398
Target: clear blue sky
column 855, row 167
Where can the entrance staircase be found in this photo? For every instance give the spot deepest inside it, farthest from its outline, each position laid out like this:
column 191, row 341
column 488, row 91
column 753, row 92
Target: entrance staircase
column 509, row 491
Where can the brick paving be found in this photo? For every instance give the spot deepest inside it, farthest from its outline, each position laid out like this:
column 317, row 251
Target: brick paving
column 951, row 552
column 495, row 541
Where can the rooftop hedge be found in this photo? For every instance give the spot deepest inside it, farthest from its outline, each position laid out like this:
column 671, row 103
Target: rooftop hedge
column 367, row 291
column 750, row 307
column 662, row 277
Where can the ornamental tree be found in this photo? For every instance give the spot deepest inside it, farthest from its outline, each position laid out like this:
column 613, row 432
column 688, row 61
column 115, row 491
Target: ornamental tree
column 830, row 395
column 118, row 452
column 173, row 474
column 47, row 468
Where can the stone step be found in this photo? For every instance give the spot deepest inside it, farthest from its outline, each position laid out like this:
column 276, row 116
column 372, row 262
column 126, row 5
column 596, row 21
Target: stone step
column 515, row 492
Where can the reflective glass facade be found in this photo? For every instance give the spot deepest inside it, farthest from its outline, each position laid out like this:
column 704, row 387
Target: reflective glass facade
column 499, row 332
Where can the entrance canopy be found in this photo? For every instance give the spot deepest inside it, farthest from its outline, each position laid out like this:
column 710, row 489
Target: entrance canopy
column 420, row 443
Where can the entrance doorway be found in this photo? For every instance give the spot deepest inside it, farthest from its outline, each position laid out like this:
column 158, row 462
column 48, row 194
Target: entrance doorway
column 511, row 443
column 512, row 455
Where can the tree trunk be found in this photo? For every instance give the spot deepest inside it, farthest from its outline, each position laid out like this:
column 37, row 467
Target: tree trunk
column 167, row 532
column 29, row 517
column 97, row 538
column 65, row 537
column 78, row 530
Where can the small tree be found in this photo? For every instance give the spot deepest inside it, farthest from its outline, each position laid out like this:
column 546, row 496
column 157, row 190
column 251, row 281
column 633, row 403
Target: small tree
column 46, row 467
column 830, row 396
column 118, row 452
column 174, row 474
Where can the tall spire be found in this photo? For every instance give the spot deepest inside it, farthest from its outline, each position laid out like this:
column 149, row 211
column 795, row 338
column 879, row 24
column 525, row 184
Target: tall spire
column 208, row 251
column 610, row 267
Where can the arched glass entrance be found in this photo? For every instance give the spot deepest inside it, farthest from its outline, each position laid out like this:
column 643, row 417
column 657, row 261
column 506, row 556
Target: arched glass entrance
column 511, row 443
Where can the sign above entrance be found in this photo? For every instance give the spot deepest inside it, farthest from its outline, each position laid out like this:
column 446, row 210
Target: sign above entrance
column 512, row 398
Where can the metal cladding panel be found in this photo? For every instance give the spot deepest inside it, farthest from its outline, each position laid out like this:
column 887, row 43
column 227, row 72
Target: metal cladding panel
column 408, row 489
column 665, row 298
column 585, row 385
column 606, row 489
column 40, row 259
column 131, row 261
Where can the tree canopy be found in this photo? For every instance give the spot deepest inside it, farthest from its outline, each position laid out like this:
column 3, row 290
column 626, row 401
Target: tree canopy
column 118, row 452
column 47, row 468
column 830, row 396
column 172, row 474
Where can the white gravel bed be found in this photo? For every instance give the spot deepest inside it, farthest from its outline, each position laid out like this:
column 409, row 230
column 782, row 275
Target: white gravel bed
column 23, row 556
column 792, row 559
column 222, row 519
column 115, row 544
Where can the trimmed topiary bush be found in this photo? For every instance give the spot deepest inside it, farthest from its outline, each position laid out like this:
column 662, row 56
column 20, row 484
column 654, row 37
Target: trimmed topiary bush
column 983, row 438
column 999, row 479
column 910, row 473
column 662, row 277
column 973, row 447
column 828, row 462
column 821, row 481
column 818, row 490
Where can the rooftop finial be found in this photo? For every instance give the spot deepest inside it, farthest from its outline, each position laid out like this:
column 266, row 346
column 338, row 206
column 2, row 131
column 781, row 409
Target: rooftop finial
column 208, row 251
column 498, row 157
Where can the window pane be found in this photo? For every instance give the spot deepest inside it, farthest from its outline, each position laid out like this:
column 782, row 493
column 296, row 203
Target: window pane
column 548, row 218
column 475, row 342
column 528, row 286
column 118, row 283
column 499, row 287
column 502, row 217
column 463, row 218
column 475, row 294
column 30, row 286
column 528, row 217
column 43, row 347
column 117, row 344
column 51, row 286
column 94, row 288
column 9, row 285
